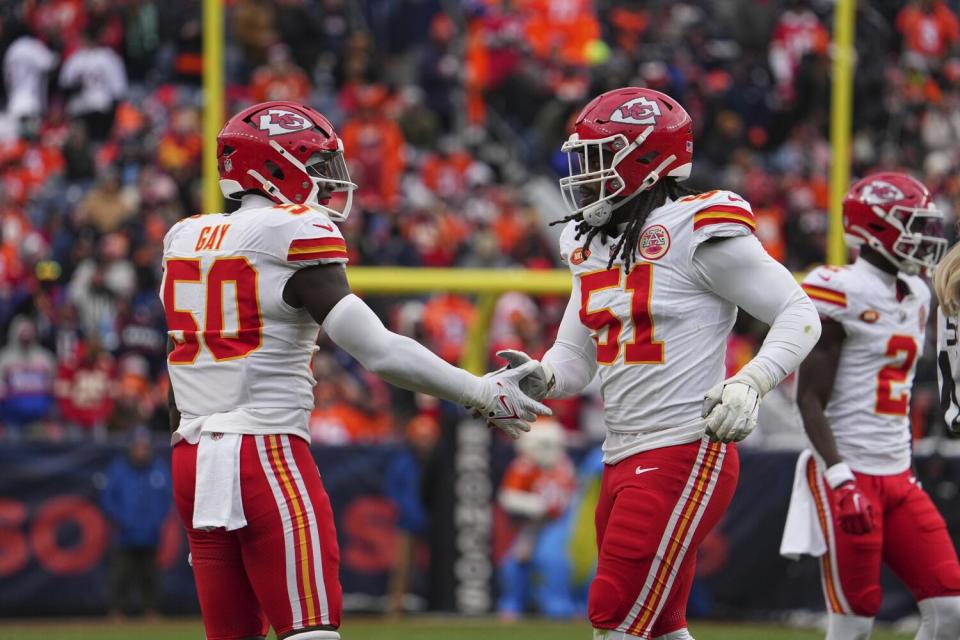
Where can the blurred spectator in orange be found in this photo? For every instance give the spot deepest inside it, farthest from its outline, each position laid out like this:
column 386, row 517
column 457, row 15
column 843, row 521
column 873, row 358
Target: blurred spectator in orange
column 930, row 31
column 347, row 411
column 560, row 30
column 181, row 146
column 446, row 323
column 403, row 486
column 85, row 390
column 280, row 78
column 445, row 171
column 797, row 32
column 96, row 78
column 516, row 325
column 629, row 23
column 374, row 145
column 27, row 373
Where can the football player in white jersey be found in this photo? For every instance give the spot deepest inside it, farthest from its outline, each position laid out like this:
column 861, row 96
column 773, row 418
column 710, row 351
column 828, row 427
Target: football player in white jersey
column 658, row 273
column 245, row 294
column 856, row 492
column 946, row 282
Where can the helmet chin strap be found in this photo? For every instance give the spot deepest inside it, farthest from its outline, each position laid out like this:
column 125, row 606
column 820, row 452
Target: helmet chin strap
column 908, row 267
column 599, row 213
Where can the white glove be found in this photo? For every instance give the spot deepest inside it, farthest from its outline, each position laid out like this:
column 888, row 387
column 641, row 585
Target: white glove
column 504, row 405
column 730, row 409
column 539, row 382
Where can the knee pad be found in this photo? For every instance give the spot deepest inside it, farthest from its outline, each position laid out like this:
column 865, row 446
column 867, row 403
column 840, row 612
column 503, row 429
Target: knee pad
column 843, row 627
column 606, row 604
column 939, row 618
column 679, row 634
column 865, row 602
column 314, row 635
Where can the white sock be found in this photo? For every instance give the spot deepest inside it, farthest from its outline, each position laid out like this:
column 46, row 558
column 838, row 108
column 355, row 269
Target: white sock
column 611, row 634
column 679, row 634
column 843, row 627
column 939, row 618
column 315, row 635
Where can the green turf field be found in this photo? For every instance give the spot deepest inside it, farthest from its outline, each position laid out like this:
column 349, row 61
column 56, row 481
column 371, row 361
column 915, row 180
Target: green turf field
column 377, row 629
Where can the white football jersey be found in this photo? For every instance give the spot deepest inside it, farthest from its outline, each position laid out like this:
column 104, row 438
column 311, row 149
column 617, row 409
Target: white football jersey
column 660, row 332
column 869, row 408
column 242, row 357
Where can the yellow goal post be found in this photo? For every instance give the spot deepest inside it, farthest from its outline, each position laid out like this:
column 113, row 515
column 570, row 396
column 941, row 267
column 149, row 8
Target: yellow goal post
column 486, row 284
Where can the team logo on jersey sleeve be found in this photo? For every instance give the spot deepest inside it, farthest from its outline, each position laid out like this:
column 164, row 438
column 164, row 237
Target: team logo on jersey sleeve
column 279, row 121
column 637, row 111
column 579, row 255
column 654, row 242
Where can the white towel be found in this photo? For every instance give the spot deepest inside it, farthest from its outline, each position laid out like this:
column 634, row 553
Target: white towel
column 801, row 532
column 217, row 502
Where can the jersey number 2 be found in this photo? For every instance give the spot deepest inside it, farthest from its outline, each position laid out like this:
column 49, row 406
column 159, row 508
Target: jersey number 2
column 887, row 403
column 642, row 349
column 222, row 344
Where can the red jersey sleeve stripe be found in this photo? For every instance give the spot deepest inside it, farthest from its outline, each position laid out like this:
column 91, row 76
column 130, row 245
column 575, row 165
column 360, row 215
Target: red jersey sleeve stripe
column 302, row 243
column 825, row 295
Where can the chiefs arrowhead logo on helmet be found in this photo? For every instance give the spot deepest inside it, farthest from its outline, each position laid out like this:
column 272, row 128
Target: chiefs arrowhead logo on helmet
column 279, row 121
column 879, row 192
column 637, row 111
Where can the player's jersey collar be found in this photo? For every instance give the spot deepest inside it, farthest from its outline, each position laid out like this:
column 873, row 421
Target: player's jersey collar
column 254, row 201
column 888, row 279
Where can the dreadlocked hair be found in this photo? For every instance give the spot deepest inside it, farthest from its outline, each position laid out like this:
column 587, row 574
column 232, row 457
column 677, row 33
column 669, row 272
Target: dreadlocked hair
column 634, row 214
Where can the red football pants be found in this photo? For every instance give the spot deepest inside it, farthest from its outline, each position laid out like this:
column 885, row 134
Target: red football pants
column 911, row 537
column 282, row 568
column 654, row 510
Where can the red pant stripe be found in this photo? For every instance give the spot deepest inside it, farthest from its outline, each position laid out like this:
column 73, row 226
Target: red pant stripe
column 828, row 566
column 675, row 541
column 316, row 569
column 301, row 529
column 265, row 448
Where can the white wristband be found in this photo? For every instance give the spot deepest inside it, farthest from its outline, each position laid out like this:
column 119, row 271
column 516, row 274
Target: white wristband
column 838, row 474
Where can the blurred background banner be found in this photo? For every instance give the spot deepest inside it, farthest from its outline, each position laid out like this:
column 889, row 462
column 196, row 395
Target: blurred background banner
column 57, row 534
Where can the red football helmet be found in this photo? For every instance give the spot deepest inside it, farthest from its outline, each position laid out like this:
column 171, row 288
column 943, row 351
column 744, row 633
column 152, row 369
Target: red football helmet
column 893, row 214
column 286, row 151
column 624, row 141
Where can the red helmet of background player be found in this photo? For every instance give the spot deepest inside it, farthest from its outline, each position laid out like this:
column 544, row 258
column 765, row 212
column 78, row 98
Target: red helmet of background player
column 893, row 214
column 623, row 143
column 286, row 151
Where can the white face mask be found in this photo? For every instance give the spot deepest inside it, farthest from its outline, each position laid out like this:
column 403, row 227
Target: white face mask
column 592, row 169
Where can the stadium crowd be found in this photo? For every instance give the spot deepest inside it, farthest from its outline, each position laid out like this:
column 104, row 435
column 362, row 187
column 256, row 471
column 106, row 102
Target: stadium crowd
column 447, row 110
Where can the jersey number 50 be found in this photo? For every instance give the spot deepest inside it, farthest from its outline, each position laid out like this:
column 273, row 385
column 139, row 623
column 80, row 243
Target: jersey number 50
column 223, row 345
column 642, row 349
